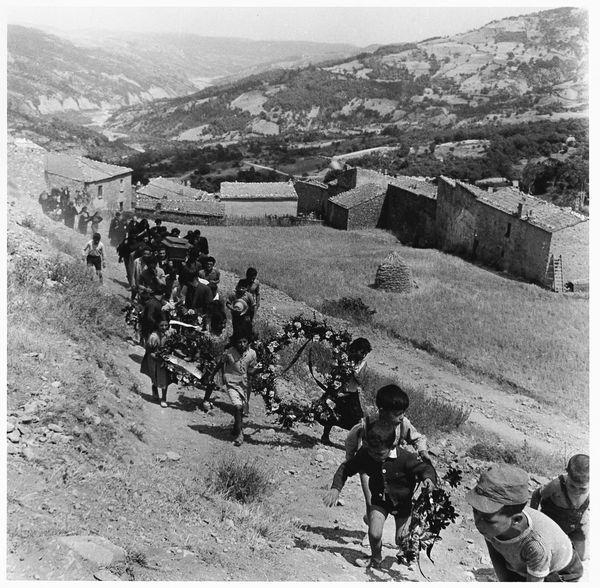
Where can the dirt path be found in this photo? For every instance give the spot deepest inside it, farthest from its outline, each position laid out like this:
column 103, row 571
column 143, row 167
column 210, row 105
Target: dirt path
column 329, row 541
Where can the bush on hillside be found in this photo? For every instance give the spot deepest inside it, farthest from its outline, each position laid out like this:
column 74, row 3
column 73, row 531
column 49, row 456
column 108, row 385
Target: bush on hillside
column 352, row 309
column 237, row 478
column 524, row 456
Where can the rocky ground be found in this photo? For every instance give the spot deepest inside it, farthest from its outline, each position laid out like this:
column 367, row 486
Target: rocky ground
column 79, row 509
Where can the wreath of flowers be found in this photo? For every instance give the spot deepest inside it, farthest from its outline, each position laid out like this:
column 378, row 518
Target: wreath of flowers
column 301, row 329
column 432, row 512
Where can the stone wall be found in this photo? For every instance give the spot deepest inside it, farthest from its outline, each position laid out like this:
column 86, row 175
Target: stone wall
column 410, row 216
column 337, row 217
column 312, row 198
column 114, row 191
column 250, row 208
column 178, row 217
column 572, row 244
column 366, row 215
column 476, row 230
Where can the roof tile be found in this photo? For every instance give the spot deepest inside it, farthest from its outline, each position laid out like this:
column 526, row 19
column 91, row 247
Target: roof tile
column 258, row 191
column 81, row 168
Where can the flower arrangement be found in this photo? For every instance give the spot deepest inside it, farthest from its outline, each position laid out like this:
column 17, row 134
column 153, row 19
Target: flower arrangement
column 133, row 315
column 301, row 329
column 432, row 511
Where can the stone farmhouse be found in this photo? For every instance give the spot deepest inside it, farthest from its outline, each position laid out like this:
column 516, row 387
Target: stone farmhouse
column 409, row 211
column 175, row 202
column 358, row 208
column 108, row 187
column 314, row 193
column 251, row 199
column 513, row 232
column 500, row 227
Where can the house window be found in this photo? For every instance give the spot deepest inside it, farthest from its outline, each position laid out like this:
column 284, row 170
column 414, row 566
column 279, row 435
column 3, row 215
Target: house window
column 507, row 234
column 122, row 185
column 99, row 191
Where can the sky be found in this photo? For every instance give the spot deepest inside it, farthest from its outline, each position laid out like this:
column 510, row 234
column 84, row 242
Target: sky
column 341, row 23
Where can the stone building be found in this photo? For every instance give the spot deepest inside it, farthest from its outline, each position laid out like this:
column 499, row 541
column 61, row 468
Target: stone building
column 359, row 208
column 259, row 198
column 175, row 202
column 409, row 211
column 312, row 197
column 164, row 188
column 513, row 232
column 107, row 187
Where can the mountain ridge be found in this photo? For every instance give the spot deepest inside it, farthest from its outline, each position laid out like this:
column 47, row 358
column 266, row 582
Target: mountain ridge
column 527, row 65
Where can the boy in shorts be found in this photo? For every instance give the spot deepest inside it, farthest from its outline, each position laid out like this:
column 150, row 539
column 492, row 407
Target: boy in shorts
column 393, row 475
column 239, row 362
column 392, row 403
column 566, row 500
column 524, row 544
column 94, row 255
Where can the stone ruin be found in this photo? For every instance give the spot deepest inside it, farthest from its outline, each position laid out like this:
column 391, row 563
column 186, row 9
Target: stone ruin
column 394, row 275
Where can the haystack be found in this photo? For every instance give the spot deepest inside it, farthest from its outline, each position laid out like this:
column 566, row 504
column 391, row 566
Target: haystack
column 393, row 274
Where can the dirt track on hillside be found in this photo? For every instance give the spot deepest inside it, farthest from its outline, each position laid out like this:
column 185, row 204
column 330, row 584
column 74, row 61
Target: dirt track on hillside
column 330, row 540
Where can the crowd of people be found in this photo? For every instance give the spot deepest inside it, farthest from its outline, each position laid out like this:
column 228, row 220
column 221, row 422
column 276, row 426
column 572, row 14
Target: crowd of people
column 539, row 537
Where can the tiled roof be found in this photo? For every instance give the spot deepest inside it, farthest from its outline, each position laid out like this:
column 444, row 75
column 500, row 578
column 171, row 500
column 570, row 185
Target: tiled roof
column 536, row 211
column 258, row 191
column 416, row 186
column 183, row 206
column 81, row 168
column 163, row 188
column 358, row 195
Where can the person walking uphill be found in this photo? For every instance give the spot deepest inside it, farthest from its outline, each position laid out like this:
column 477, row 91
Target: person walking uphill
column 348, row 410
column 524, row 545
column 153, row 365
column 94, row 255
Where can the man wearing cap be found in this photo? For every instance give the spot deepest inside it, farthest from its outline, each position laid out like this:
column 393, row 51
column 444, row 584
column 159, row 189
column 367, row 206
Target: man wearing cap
column 524, row 544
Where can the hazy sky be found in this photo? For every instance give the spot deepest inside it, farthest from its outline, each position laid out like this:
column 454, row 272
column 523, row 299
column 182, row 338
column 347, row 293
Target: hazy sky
column 344, row 23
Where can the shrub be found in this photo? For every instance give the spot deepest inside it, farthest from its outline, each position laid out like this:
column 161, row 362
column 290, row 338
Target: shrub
column 28, row 271
column 237, row 478
column 353, row 309
column 524, row 456
column 428, row 414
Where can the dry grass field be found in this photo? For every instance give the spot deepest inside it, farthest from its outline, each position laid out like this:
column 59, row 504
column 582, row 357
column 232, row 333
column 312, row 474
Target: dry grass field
column 488, row 323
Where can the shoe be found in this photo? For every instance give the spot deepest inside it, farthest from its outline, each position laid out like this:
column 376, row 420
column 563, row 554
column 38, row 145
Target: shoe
column 239, row 440
column 401, row 559
column 246, row 409
column 163, row 404
column 368, row 562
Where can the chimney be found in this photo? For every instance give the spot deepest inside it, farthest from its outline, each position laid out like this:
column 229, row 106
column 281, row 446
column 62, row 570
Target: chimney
column 520, row 210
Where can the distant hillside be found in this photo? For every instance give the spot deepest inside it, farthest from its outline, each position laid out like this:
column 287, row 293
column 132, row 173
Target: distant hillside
column 515, row 69
column 48, row 73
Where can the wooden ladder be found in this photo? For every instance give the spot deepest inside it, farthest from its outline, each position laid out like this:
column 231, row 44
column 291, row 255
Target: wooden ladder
column 557, row 279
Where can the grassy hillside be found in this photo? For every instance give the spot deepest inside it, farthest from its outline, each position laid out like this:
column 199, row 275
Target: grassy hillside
column 477, row 319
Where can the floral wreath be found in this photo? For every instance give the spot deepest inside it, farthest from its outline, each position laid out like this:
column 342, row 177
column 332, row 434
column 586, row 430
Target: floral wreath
column 309, row 331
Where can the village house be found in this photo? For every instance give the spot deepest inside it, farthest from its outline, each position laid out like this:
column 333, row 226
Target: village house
column 409, row 211
column 359, row 208
column 250, row 199
column 107, row 186
column 513, row 232
column 175, row 202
